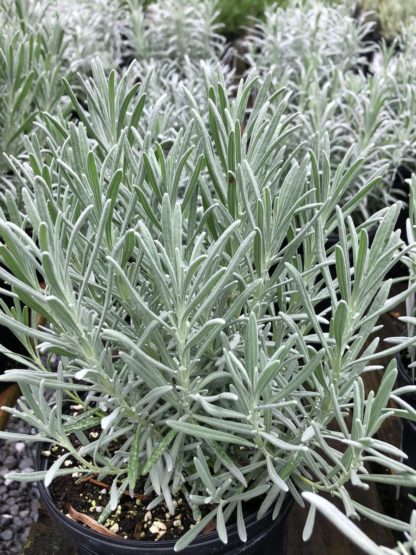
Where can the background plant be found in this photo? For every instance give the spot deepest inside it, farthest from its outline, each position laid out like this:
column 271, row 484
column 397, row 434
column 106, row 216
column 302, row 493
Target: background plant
column 166, row 95
column 92, row 28
column 334, row 93
column 30, row 73
column 400, row 69
column 391, row 14
column 175, row 30
column 177, row 45
column 307, row 36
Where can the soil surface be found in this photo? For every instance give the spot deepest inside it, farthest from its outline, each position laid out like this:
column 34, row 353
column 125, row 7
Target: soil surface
column 85, row 498
column 131, row 520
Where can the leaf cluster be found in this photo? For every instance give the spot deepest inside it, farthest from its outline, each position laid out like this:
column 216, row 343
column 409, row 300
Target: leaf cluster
column 215, row 335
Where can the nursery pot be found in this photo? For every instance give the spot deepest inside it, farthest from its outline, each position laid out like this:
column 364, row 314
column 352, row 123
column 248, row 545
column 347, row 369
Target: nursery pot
column 406, row 505
column 9, row 392
column 400, row 187
column 7, row 338
column 265, row 536
column 10, row 341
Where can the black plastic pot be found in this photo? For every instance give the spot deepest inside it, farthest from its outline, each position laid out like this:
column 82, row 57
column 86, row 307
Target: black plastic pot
column 401, row 190
column 8, row 339
column 265, row 536
column 10, row 342
column 406, row 505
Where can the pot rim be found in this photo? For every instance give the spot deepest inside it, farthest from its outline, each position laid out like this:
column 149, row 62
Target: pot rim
column 403, row 377
column 401, row 369
column 205, row 539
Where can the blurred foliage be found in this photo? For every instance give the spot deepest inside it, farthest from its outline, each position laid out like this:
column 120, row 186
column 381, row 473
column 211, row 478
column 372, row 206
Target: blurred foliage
column 391, row 13
column 237, row 14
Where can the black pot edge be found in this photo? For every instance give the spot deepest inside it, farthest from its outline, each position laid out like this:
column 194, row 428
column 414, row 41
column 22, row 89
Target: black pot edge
column 4, row 360
column 405, row 505
column 167, row 545
column 402, row 381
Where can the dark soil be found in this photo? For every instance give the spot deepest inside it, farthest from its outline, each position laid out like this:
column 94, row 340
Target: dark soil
column 131, row 520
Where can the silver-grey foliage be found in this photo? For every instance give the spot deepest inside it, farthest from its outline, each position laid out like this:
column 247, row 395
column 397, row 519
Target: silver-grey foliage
column 31, row 55
column 367, row 545
column 409, row 320
column 172, row 30
column 321, row 54
column 177, row 44
column 308, row 37
column 92, row 28
column 218, row 338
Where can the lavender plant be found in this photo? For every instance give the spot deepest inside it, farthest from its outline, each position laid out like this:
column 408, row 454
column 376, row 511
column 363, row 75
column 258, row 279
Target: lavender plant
column 308, row 36
column 400, row 69
column 174, row 30
column 178, row 44
column 368, row 125
column 411, row 260
column 92, row 28
column 166, row 91
column 189, row 329
column 350, row 112
column 334, row 94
